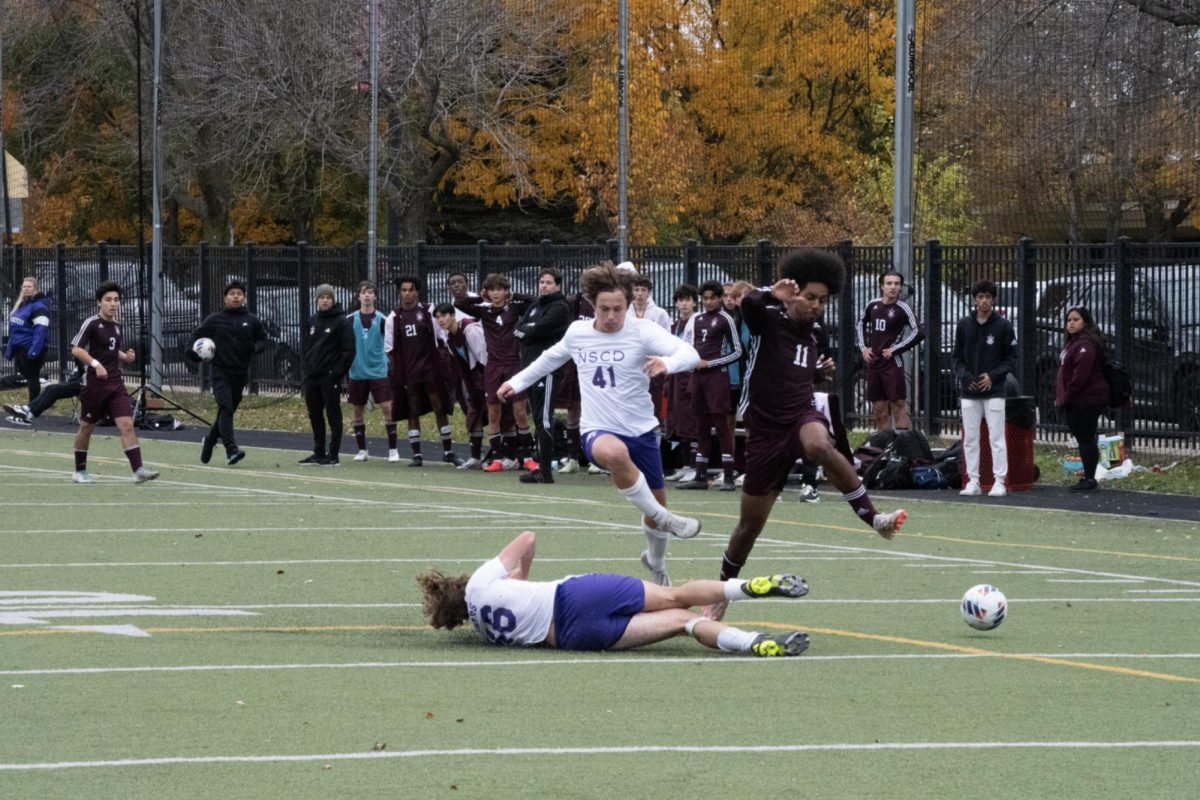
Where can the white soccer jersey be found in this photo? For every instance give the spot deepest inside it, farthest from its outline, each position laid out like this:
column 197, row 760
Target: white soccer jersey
column 509, row 611
column 613, row 386
column 654, row 313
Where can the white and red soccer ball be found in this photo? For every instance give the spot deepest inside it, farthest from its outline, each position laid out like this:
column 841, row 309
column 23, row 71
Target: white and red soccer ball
column 984, row 607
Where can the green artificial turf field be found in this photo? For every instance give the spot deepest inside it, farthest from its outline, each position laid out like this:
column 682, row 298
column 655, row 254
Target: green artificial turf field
column 256, row 632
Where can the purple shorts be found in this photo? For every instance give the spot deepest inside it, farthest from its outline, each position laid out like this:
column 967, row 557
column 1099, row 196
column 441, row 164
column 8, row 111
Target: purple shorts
column 101, row 399
column 378, row 388
column 591, row 612
column 771, row 453
column 710, row 392
column 887, row 383
column 644, row 451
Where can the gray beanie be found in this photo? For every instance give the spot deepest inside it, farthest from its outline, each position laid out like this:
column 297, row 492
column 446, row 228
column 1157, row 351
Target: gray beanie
column 325, row 288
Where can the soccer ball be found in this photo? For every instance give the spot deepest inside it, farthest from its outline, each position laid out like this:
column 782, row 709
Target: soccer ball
column 205, row 348
column 983, row 607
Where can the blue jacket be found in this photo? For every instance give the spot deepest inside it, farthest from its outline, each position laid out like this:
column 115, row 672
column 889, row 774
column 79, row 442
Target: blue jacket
column 29, row 328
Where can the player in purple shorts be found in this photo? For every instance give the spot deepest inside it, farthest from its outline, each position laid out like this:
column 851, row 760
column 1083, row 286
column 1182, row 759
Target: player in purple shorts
column 782, row 420
column 99, row 346
column 888, row 329
column 598, row 611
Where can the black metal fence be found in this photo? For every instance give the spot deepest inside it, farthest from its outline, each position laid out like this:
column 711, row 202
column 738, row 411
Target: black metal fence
column 1146, row 297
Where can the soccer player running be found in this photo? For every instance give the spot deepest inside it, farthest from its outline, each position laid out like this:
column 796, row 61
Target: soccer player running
column 99, row 347
column 238, row 335
column 598, row 611
column 369, row 372
column 715, row 337
column 416, row 369
column 782, row 421
column 616, row 357
column 888, row 329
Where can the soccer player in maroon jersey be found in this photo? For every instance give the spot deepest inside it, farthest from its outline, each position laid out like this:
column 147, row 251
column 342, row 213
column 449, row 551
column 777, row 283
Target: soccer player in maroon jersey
column 499, row 312
column 782, row 421
column 715, row 337
column 887, row 329
column 416, row 369
column 99, row 347
column 464, row 338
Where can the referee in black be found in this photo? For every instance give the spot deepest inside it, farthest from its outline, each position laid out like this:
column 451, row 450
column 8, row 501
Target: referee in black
column 238, row 335
column 543, row 324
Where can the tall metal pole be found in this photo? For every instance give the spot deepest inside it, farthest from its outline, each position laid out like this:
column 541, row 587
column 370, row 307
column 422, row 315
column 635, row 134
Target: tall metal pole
column 623, row 132
column 902, row 173
column 156, row 160
column 373, row 167
column 3, row 156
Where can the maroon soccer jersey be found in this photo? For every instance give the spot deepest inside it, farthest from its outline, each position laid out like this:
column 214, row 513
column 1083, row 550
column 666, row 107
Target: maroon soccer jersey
column 103, row 342
column 498, row 325
column 782, row 364
column 581, row 307
column 715, row 338
column 413, row 346
column 885, row 325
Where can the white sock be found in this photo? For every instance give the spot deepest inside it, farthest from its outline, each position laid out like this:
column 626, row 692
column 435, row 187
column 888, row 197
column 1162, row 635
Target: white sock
column 733, row 590
column 640, row 495
column 656, row 545
column 735, row 640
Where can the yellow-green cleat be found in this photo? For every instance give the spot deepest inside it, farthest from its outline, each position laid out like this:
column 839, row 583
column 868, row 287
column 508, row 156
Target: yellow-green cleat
column 776, row 586
column 790, row 644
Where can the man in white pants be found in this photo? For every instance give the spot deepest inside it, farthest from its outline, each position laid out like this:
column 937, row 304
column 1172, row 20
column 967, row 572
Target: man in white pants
column 616, row 357
column 984, row 353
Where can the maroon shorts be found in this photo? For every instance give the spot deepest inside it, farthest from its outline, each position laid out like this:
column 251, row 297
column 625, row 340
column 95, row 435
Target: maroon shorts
column 771, row 453
column 680, row 419
column 496, row 375
column 710, row 392
column 887, row 383
column 567, row 380
column 379, row 389
column 101, row 399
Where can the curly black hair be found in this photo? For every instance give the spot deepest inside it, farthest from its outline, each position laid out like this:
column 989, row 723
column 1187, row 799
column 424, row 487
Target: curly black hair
column 809, row 265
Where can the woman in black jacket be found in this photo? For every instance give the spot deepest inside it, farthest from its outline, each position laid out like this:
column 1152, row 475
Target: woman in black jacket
column 328, row 353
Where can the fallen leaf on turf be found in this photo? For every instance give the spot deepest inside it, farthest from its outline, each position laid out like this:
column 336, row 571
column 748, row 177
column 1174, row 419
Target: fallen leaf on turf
column 428, row 715
column 380, row 746
column 278, row 572
column 327, row 766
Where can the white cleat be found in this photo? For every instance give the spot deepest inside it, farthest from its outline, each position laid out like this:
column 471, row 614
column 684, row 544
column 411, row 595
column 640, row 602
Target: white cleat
column 569, row 467
column 659, row 573
column 83, row 476
column 363, row 455
column 594, row 469
column 998, row 490
column 143, row 474
column 510, row 464
column 886, row 525
column 471, row 463
column 677, row 474
column 682, row 527
column 393, row 456
column 971, row 489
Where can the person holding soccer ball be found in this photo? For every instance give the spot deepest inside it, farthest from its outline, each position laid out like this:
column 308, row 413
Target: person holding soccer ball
column 598, row 611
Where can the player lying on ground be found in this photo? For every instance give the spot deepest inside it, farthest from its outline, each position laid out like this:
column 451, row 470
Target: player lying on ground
column 597, row 611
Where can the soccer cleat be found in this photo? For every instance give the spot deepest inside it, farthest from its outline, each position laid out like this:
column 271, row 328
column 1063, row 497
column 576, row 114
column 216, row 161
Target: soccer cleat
column 700, row 485
column 417, row 460
column 594, row 469
column 1085, row 485
column 728, row 485
column 790, row 644
column 206, row 450
column 660, row 574
column 531, row 465
column 143, row 474
column 510, row 464
column 809, row 494
column 682, row 527
column 16, row 420
column 393, row 456
column 569, row 467
column 313, row 460
column 971, row 489
column 739, row 480
column 20, row 414
column 886, row 525
column 83, row 476
column 537, row 476
column 451, row 458
column 676, row 475
column 716, row 611
column 332, row 461
column 786, row 585
column 471, row 463
column 998, row 490
column 235, row 457
column 496, row 465
column 363, row 455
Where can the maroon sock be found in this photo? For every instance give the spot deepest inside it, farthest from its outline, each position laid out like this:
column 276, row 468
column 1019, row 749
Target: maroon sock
column 360, row 435
column 476, row 445
column 390, row 427
column 496, row 443
column 80, row 460
column 524, row 442
column 134, row 454
column 860, row 501
column 576, row 444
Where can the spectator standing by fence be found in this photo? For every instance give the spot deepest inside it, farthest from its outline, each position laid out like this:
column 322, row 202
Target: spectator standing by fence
column 1082, row 391
column 328, row 354
column 29, row 334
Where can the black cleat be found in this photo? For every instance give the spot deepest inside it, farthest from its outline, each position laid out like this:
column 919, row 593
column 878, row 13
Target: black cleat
column 235, row 457
column 698, row 484
column 537, row 476
column 206, row 450
column 417, row 461
column 313, row 460
column 451, row 458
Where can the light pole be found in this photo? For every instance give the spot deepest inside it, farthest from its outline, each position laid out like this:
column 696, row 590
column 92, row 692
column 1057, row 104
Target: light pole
column 373, row 167
column 623, row 132
column 902, row 169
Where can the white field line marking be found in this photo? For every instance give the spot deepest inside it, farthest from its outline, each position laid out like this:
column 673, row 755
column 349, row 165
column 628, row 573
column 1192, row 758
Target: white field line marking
column 296, row 530
column 1162, row 591
column 1093, row 580
column 428, row 560
column 611, row 750
column 1015, row 572
column 568, row 661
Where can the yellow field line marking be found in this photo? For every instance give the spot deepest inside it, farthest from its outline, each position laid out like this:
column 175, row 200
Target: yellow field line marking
column 976, row 651
column 957, row 540
column 263, row 629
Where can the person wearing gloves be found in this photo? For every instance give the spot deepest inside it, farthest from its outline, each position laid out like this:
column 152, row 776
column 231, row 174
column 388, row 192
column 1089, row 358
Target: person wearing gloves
column 328, row 354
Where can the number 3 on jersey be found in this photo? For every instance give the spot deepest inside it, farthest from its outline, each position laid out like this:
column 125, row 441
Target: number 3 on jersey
column 598, row 378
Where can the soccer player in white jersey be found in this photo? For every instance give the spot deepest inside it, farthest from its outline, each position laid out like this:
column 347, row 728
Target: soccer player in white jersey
column 616, row 357
column 598, row 611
